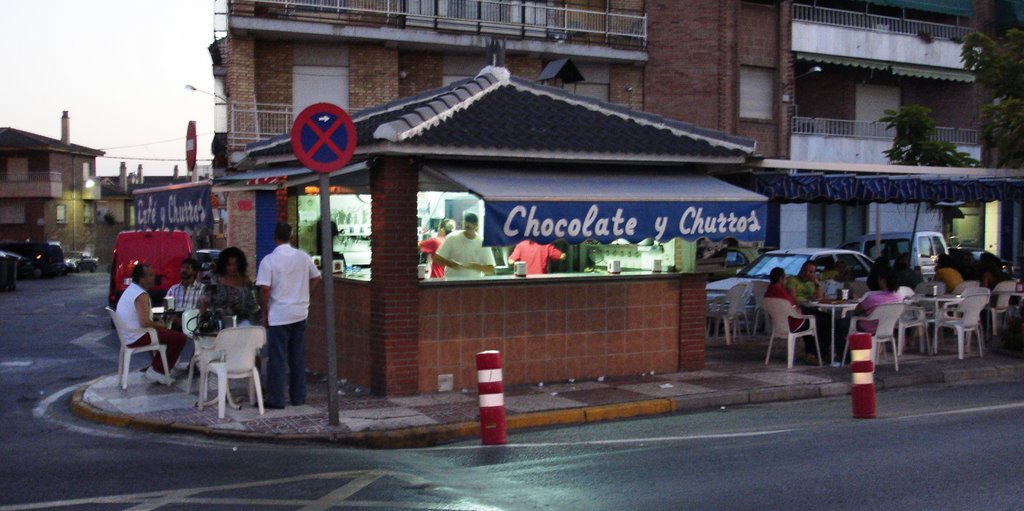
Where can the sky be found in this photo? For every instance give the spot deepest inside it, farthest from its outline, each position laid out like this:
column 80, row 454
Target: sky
column 119, row 67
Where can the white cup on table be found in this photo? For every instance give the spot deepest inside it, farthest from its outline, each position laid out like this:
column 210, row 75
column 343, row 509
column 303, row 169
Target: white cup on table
column 519, row 268
column 614, row 267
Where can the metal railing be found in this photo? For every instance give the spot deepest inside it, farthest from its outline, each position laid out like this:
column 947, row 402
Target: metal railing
column 876, row 23
column 30, row 177
column 873, row 130
column 250, row 122
column 526, row 18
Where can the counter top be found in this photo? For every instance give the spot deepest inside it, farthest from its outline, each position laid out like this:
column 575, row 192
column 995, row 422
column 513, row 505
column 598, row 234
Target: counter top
column 365, row 274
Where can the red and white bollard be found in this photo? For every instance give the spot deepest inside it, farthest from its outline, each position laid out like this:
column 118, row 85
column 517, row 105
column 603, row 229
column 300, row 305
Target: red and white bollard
column 492, row 398
column 863, row 371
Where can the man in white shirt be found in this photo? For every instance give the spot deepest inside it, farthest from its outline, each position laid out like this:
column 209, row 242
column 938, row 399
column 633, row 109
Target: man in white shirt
column 463, row 252
column 136, row 314
column 285, row 278
column 188, row 291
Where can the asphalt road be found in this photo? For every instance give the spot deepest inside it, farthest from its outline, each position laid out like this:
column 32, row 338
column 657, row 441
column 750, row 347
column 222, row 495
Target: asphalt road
column 948, row 447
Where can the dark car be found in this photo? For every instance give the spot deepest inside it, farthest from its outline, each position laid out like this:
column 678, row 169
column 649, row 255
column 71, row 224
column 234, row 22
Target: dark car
column 46, row 259
column 81, row 261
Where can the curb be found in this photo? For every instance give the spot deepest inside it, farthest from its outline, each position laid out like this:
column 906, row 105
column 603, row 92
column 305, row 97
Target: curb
column 428, row 436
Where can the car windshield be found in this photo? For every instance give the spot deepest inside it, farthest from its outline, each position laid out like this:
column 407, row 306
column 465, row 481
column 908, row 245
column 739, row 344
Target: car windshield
column 763, row 265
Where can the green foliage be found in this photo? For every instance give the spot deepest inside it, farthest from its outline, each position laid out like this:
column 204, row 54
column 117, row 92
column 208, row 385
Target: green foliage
column 914, row 144
column 999, row 68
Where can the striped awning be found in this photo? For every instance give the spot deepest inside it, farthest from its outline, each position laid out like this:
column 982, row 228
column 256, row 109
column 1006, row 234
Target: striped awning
column 853, row 189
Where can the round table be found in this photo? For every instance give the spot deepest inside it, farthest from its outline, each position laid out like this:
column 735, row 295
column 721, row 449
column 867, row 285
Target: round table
column 843, row 306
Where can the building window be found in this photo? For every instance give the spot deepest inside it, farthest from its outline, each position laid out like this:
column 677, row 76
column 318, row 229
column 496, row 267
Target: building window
column 12, row 214
column 315, row 84
column 756, row 92
column 62, row 213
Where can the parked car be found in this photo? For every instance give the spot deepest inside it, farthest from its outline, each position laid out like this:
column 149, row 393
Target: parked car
column 45, row 259
column 792, row 260
column 735, row 259
column 162, row 250
column 81, row 261
column 928, row 246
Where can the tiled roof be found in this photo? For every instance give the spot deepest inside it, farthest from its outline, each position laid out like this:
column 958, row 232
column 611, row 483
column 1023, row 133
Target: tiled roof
column 495, row 114
column 15, row 139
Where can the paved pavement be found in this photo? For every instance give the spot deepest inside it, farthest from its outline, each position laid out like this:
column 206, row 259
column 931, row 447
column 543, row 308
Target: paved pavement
column 734, row 375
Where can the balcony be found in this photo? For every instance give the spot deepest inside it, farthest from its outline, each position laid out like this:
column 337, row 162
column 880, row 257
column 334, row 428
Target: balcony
column 515, row 19
column 250, row 122
column 839, row 140
column 824, row 31
column 30, row 185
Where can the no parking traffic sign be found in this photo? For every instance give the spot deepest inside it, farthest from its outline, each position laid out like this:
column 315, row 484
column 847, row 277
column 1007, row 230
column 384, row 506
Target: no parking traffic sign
column 323, row 137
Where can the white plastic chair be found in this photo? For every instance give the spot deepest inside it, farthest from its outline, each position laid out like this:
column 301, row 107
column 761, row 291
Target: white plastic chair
column 779, row 311
column 124, row 358
column 964, row 319
column 965, row 285
column 726, row 311
column 1003, row 291
column 887, row 315
column 757, row 290
column 238, row 347
column 925, row 288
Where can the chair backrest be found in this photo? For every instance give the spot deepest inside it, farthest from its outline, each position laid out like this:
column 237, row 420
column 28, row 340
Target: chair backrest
column 240, row 346
column 119, row 325
column 970, row 309
column 905, row 292
column 757, row 289
column 778, row 310
column 887, row 314
column 965, row 285
column 190, row 322
column 925, row 288
column 737, row 297
column 1003, row 291
column 976, row 291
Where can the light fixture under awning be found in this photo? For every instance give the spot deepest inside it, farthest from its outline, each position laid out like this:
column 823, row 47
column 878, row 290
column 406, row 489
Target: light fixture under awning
column 546, row 203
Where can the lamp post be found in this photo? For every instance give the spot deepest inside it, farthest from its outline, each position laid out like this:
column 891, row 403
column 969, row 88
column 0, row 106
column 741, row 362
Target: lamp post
column 214, row 94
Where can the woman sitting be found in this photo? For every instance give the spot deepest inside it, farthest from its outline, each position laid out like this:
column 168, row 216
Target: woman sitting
column 888, row 285
column 230, row 292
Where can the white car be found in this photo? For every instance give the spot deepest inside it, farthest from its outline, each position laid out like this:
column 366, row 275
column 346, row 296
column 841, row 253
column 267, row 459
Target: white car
column 792, row 260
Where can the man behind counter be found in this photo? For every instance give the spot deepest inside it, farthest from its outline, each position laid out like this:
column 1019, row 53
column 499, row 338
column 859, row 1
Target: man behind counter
column 535, row 255
column 463, row 252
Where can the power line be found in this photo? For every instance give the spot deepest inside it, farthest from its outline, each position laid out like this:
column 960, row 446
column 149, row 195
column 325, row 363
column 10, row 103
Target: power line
column 153, row 143
column 151, row 159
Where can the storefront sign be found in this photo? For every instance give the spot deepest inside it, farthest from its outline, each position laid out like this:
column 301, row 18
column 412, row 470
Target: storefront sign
column 186, row 209
column 507, row 223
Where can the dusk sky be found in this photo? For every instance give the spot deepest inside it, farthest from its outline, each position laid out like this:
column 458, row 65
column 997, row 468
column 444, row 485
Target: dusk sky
column 119, row 67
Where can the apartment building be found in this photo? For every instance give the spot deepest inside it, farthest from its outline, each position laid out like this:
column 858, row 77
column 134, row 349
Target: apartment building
column 48, row 189
column 807, row 79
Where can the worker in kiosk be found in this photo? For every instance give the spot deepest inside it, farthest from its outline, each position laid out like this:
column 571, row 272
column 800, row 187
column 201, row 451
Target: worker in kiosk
column 463, row 253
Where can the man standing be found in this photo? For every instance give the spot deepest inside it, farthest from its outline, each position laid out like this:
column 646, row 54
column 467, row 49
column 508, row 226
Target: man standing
column 430, row 246
column 535, row 255
column 136, row 313
column 285, row 278
column 188, row 291
column 463, row 252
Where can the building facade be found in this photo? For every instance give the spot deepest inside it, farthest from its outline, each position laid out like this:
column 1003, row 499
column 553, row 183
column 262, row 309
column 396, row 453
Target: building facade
column 48, row 189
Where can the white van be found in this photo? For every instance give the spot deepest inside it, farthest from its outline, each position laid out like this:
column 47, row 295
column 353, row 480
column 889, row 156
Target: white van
column 928, row 245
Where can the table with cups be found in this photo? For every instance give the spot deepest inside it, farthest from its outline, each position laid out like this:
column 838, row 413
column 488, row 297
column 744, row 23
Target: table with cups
column 843, row 304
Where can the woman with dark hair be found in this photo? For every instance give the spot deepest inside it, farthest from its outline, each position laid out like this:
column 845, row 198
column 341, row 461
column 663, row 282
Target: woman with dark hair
column 230, row 292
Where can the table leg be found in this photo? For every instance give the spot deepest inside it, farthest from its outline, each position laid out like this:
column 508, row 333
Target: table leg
column 832, row 355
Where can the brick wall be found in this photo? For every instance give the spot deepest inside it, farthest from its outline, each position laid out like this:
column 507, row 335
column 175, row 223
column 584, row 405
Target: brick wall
column 274, row 61
column 394, row 313
column 758, row 35
column 351, row 332
column 692, row 313
column 423, row 72
column 692, row 71
column 839, row 103
column 626, row 86
column 551, row 331
column 241, row 80
column 373, row 76
column 242, row 227
column 953, row 104
column 524, row 66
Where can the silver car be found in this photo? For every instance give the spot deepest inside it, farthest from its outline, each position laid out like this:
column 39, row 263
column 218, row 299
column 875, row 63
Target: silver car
column 792, row 260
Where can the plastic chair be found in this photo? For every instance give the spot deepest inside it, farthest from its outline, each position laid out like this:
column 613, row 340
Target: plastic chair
column 925, row 288
column 887, row 315
column 726, row 311
column 1001, row 307
column 757, row 290
column 238, row 347
column 124, row 358
column 964, row 319
column 965, row 285
column 779, row 311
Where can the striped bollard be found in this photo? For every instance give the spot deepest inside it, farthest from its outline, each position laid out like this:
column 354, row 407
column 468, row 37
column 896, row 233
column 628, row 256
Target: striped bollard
column 492, row 397
column 863, row 371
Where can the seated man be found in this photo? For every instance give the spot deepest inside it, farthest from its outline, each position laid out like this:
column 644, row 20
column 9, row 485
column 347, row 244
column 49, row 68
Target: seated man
column 188, row 291
column 135, row 311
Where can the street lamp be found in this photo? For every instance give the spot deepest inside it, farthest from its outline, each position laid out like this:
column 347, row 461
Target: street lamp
column 215, row 95
column 812, row 71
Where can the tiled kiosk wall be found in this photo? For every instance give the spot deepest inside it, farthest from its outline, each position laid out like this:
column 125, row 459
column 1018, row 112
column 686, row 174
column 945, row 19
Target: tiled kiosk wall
column 547, row 331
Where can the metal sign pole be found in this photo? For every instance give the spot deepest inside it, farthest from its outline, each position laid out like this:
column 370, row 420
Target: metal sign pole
column 327, row 270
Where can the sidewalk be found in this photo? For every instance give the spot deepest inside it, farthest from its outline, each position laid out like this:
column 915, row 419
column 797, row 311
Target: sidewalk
column 734, row 375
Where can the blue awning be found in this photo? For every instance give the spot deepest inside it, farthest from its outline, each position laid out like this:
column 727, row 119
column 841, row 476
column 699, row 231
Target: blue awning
column 851, row 189
column 954, row 7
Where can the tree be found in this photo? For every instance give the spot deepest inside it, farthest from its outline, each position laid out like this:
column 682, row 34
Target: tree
column 999, row 68
column 915, row 144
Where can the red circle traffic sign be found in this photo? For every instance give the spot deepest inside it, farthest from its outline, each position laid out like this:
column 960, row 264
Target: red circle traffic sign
column 190, row 146
column 323, row 137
